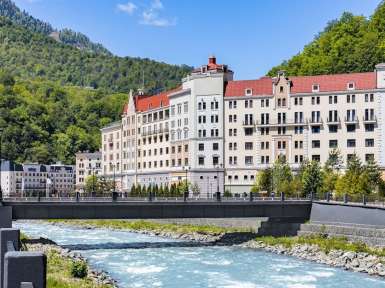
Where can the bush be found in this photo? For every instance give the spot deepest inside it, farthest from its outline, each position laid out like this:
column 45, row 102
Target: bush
column 79, row 269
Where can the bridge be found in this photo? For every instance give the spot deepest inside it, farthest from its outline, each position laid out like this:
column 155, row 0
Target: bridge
column 50, row 208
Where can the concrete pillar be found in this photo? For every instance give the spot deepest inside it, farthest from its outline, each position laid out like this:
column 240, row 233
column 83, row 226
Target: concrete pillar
column 5, row 217
column 7, row 234
column 25, row 267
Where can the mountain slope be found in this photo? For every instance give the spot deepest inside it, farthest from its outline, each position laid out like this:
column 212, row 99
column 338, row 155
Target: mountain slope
column 34, row 55
column 349, row 44
column 9, row 10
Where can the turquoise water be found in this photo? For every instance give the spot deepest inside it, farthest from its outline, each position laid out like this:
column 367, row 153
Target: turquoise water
column 166, row 264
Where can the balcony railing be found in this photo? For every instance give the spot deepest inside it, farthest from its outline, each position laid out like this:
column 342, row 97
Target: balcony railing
column 333, row 120
column 287, row 122
column 369, row 120
column 249, row 123
column 315, row 121
column 351, row 120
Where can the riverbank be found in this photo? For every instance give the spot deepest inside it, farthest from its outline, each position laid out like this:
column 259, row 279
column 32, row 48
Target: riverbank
column 335, row 252
column 61, row 264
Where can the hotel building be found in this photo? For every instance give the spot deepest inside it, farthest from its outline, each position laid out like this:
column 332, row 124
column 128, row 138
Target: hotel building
column 219, row 132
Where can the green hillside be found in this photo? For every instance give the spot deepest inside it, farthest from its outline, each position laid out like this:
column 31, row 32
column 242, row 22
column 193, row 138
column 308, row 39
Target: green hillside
column 349, row 44
column 32, row 55
column 45, row 122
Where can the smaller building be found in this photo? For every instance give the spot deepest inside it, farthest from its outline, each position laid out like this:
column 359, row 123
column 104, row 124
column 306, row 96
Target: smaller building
column 34, row 180
column 87, row 164
column 61, row 179
column 11, row 178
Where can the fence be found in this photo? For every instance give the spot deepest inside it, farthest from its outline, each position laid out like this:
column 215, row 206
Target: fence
column 19, row 268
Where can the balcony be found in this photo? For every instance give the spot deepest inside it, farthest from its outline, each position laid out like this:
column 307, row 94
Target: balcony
column 249, row 123
column 315, row 121
column 333, row 120
column 276, row 123
column 351, row 120
column 369, row 120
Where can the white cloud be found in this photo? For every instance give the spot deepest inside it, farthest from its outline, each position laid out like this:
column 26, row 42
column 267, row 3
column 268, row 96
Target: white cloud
column 156, row 4
column 128, row 8
column 152, row 18
column 149, row 14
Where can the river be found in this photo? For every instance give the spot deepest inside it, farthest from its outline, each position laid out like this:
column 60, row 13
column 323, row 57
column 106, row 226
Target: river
column 137, row 260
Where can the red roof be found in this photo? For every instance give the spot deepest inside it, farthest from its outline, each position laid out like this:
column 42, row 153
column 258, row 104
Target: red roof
column 304, row 84
column 262, row 86
column 336, row 82
column 145, row 102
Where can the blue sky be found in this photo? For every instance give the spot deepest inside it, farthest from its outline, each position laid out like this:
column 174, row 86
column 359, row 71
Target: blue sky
column 250, row 36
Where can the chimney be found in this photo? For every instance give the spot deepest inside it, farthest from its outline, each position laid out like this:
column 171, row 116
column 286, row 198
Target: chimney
column 212, row 59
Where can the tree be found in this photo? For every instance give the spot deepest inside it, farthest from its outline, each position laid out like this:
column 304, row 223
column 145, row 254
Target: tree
column 92, row 185
column 334, row 161
column 133, row 190
column 195, row 189
column 166, row 191
column 263, row 181
column 282, row 175
column 312, row 178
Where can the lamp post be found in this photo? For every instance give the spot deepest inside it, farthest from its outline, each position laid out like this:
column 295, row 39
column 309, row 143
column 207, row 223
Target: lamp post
column 186, row 187
column 218, row 192
column 93, row 181
column 113, row 166
column 1, row 162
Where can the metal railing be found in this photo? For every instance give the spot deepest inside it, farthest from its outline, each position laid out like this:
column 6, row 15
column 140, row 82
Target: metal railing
column 153, row 197
column 374, row 200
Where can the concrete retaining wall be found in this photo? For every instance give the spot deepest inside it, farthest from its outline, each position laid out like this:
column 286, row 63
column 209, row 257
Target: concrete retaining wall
column 347, row 214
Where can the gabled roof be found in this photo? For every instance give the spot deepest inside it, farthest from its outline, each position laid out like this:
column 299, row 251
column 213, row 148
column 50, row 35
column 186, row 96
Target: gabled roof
column 149, row 102
column 304, row 84
column 335, row 82
column 262, row 86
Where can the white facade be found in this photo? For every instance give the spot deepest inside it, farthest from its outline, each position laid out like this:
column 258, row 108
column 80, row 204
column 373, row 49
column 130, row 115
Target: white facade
column 221, row 132
column 87, row 164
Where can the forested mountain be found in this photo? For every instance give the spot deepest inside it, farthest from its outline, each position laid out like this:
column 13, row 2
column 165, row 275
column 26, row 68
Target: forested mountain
column 55, row 97
column 45, row 122
column 9, row 10
column 349, row 44
column 34, row 55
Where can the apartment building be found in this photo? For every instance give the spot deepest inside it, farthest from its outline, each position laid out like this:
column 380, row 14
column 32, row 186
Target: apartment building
column 87, row 164
column 23, row 180
column 217, row 131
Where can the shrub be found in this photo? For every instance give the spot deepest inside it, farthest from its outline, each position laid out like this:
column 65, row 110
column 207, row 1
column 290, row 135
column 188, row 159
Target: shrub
column 79, row 269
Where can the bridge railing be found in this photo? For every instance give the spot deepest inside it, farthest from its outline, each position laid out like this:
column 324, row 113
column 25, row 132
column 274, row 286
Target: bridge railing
column 20, row 268
column 374, row 200
column 251, row 197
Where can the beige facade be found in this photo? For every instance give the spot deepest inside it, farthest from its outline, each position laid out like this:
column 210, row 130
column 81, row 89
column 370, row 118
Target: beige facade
column 87, row 164
column 220, row 132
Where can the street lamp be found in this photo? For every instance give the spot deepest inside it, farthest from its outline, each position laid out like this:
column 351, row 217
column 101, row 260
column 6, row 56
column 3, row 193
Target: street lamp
column 186, row 188
column 93, row 181
column 113, row 166
column 218, row 167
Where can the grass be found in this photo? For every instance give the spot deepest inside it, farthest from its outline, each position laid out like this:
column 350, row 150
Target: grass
column 59, row 273
column 60, row 270
column 142, row 225
column 325, row 244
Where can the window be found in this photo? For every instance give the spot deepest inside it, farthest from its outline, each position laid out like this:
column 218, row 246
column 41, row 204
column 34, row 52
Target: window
column 316, row 158
column 333, row 143
column 369, row 97
column 215, row 160
column 201, row 146
column 248, row 131
column 369, row 157
column 369, row 127
column 315, row 88
column 350, row 86
column 201, row 160
column 248, row 92
column 316, row 144
column 248, row 160
column 315, row 129
column 351, row 127
column 333, row 128
column 215, row 146
column 248, row 145
column 281, row 89
column 351, row 143
column 369, row 142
